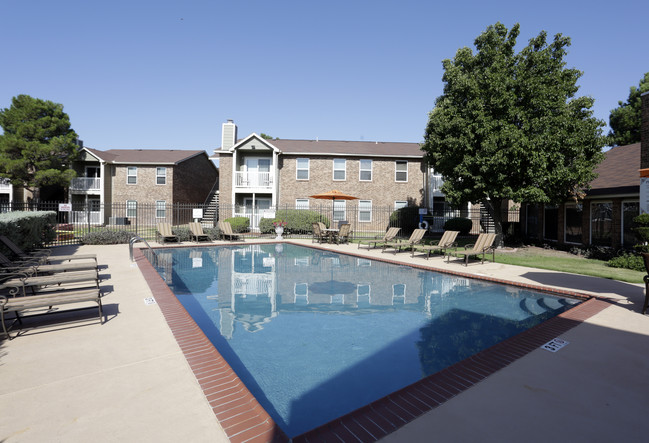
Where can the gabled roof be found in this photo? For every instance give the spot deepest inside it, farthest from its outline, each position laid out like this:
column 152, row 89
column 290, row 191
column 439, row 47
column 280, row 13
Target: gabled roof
column 339, row 148
column 144, row 156
column 618, row 172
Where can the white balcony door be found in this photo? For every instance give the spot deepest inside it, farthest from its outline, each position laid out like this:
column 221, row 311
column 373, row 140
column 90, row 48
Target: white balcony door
column 258, row 171
column 256, row 211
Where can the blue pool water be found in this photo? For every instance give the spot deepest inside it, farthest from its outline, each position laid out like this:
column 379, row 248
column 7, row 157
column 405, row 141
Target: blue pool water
column 315, row 335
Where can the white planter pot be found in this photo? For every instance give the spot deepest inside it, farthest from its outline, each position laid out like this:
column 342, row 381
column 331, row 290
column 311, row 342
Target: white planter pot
column 279, row 230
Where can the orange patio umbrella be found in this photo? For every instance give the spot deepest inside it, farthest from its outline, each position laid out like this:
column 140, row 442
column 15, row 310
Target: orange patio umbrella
column 333, row 195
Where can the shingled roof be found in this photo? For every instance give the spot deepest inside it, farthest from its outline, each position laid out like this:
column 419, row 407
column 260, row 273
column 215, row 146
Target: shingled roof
column 618, row 172
column 145, row 156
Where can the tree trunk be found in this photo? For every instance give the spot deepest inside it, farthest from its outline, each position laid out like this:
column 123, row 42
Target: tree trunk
column 494, row 208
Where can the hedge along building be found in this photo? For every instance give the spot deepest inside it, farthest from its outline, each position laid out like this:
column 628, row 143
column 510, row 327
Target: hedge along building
column 258, row 176
column 605, row 216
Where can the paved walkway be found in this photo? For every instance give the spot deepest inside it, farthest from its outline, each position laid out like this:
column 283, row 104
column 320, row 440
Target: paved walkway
column 127, row 380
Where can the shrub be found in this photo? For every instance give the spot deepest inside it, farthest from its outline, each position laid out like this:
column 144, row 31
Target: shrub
column 461, row 224
column 239, row 224
column 29, row 229
column 106, row 237
column 599, row 253
column 297, row 221
column 184, row 234
column 406, row 218
column 627, row 261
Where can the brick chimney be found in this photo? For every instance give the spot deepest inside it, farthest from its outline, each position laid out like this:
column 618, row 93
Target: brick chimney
column 229, row 135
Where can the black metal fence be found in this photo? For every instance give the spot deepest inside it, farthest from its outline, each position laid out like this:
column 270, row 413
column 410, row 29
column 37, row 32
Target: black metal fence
column 74, row 221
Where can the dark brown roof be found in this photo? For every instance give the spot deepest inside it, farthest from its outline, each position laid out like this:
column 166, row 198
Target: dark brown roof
column 341, row 147
column 147, row 156
column 618, row 173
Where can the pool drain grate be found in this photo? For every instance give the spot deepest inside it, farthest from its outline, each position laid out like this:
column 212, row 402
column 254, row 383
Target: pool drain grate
column 554, row 345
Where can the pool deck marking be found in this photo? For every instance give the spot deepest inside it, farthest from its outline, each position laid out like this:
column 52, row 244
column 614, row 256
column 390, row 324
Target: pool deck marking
column 245, row 420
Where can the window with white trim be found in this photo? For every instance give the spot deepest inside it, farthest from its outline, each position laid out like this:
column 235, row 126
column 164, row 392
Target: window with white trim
column 301, row 203
column 160, row 209
column 301, row 293
column 302, row 169
column 363, row 294
column 340, row 169
column 131, row 175
column 401, row 171
column 131, row 208
column 400, row 204
column 160, row 176
column 365, row 210
column 399, row 293
column 365, row 170
column 340, row 210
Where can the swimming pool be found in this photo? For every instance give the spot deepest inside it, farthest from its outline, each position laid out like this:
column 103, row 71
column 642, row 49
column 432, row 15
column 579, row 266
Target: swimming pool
column 314, row 334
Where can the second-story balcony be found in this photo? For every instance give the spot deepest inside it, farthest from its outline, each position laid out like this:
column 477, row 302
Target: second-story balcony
column 254, row 180
column 436, row 182
column 85, row 184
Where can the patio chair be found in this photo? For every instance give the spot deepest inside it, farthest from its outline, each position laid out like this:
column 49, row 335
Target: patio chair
column 20, row 283
column 389, row 235
column 43, row 255
column 344, row 232
column 165, row 234
column 416, row 237
column 483, row 244
column 444, row 244
column 17, row 305
column 196, row 232
column 226, row 231
column 645, row 257
column 34, row 267
column 318, row 234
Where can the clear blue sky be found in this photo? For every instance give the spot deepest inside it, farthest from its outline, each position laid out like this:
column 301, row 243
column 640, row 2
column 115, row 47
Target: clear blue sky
column 167, row 74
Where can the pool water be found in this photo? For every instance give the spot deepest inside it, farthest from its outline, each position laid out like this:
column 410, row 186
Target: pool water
column 315, row 335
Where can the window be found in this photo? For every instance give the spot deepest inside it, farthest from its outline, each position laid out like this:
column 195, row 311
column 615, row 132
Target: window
column 550, row 223
column 573, row 224
column 160, row 176
column 630, row 210
column 399, row 293
column 131, row 208
column 160, row 209
column 302, row 169
column 601, row 224
column 365, row 211
column 363, row 295
column 301, row 203
column 340, row 169
column 365, row 170
column 340, row 210
column 131, row 175
column 401, row 171
column 400, row 204
column 301, row 293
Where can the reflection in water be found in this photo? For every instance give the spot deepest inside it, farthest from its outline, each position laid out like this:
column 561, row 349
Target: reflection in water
column 314, row 334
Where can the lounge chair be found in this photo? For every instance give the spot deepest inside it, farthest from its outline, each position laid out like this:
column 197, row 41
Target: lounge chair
column 344, row 233
column 17, row 305
column 445, row 243
column 483, row 244
column 416, row 238
column 43, row 255
column 390, row 234
column 34, row 267
column 196, row 232
column 226, row 231
column 19, row 283
column 318, row 234
column 165, row 234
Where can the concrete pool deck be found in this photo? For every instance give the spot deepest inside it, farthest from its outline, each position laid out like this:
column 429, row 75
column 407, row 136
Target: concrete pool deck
column 128, row 380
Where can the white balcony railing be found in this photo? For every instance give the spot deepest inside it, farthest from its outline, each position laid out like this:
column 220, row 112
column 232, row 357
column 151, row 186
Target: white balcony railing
column 85, row 184
column 253, row 180
column 436, row 182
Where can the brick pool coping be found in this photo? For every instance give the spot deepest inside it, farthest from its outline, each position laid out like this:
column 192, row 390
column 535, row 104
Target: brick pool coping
column 245, row 420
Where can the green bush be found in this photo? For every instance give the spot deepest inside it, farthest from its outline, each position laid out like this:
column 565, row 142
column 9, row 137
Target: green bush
column 297, row 221
column 461, row 224
column 405, row 218
column 106, row 237
column 29, row 229
column 182, row 233
column 627, row 261
column 641, row 220
column 239, row 224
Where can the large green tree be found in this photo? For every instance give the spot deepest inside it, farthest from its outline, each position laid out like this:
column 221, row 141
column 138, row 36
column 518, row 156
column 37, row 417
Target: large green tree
column 625, row 120
column 509, row 125
column 38, row 144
